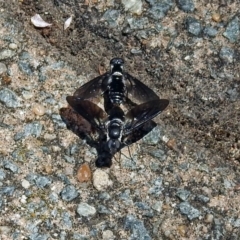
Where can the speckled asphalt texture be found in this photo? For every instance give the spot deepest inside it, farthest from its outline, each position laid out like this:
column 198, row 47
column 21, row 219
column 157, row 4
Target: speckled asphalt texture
column 182, row 180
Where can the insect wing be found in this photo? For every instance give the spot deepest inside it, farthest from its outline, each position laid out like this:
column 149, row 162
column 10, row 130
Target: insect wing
column 88, row 110
column 78, row 125
column 138, row 133
column 92, row 88
column 143, row 113
column 138, row 90
column 75, row 122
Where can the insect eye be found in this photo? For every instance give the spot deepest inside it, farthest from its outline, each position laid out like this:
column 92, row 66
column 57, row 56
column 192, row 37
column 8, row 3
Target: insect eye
column 114, row 132
column 113, row 145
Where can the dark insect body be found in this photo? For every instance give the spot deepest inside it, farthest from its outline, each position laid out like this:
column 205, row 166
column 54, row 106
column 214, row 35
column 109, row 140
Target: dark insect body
column 116, row 129
column 117, row 87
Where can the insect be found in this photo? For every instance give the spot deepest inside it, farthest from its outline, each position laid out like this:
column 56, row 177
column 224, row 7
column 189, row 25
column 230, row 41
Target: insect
column 117, row 87
column 82, row 128
column 116, row 129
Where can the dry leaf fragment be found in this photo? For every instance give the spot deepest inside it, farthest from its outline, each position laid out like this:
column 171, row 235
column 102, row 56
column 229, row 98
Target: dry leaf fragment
column 67, row 23
column 37, row 21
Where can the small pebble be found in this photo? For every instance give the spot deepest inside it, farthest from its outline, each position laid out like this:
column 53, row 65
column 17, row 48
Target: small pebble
column 183, row 194
column 49, row 137
column 3, row 68
column 48, row 169
column 111, row 16
column 10, row 166
column 6, row 53
column 38, row 109
column 42, row 181
column 191, row 212
column 227, row 54
column 209, row 218
column 23, row 199
column 153, row 137
column 236, row 223
column 133, row 6
column 85, row 210
column 12, row 46
column 193, row 26
column 25, row 67
column 2, row 174
column 136, row 227
column 27, row 94
column 8, row 191
column 182, row 230
column 101, row 180
column 56, row 148
column 210, row 31
column 159, row 9
column 9, row 98
column 42, row 52
column 186, row 5
column 34, row 129
column 216, row 17
column 84, row 173
column 202, row 198
column 69, row 193
column 232, row 32
column 25, row 183
column 6, row 79
column 107, row 235
column 171, row 143
column 158, row 206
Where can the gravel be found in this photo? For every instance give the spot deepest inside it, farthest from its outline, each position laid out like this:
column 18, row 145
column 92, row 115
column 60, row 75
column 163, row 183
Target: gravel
column 193, row 26
column 10, row 166
column 85, row 210
column 138, row 231
column 232, row 32
column 9, row 98
column 191, row 212
column 34, row 129
column 2, row 174
column 227, row 54
column 3, row 68
column 6, row 54
column 181, row 180
column 186, row 5
column 69, row 193
column 183, row 194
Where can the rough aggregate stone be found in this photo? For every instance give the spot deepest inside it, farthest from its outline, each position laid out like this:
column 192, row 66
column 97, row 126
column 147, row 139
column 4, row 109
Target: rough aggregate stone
column 42, row 181
column 137, row 228
column 193, row 26
column 2, row 174
column 183, row 194
column 186, row 5
column 86, row 210
column 227, row 54
column 10, row 166
column 232, row 32
column 6, row 53
column 69, row 193
column 33, row 129
column 3, row 68
column 186, row 209
column 9, row 98
column 159, row 10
